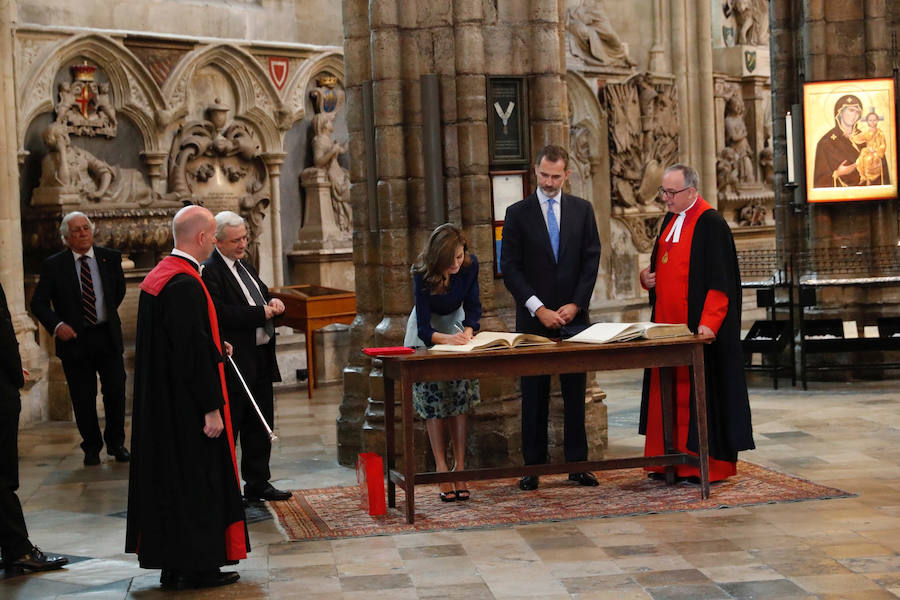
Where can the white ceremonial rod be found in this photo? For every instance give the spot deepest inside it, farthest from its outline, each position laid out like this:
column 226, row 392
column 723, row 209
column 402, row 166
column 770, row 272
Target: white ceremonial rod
column 272, row 436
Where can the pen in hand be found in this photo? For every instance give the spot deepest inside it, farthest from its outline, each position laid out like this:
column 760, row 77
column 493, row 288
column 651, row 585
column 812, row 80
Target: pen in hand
column 461, row 330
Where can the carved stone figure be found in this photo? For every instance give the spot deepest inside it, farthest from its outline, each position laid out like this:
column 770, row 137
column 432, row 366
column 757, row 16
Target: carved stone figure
column 736, row 138
column 767, row 164
column 591, row 35
column 105, row 110
column 68, row 169
column 752, row 17
column 752, row 215
column 325, row 157
column 643, row 127
column 726, row 173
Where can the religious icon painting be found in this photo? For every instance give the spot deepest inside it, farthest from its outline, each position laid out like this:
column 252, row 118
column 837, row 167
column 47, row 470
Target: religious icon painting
column 850, row 140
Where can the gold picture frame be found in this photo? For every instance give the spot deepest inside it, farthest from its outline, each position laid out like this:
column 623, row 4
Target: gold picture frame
column 850, row 140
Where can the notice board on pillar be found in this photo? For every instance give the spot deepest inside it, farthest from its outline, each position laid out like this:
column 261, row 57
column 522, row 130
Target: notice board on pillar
column 850, row 140
column 507, row 188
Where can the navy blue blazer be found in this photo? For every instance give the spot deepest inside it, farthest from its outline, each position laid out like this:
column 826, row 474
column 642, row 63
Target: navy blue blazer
column 528, row 266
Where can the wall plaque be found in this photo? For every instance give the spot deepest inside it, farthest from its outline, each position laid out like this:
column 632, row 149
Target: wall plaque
column 507, row 120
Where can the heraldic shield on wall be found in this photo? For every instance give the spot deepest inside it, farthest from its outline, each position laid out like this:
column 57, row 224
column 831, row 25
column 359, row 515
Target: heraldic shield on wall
column 850, row 140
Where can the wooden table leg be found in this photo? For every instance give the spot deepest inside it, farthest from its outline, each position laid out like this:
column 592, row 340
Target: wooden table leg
column 310, row 362
column 409, row 458
column 389, row 452
column 667, row 404
column 697, row 369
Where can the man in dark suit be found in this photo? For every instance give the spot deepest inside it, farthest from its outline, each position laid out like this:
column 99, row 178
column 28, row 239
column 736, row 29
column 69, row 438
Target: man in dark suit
column 17, row 550
column 549, row 257
column 77, row 300
column 245, row 311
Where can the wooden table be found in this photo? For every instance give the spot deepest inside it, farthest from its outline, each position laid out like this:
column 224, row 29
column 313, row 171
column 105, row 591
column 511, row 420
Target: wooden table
column 563, row 357
column 311, row 307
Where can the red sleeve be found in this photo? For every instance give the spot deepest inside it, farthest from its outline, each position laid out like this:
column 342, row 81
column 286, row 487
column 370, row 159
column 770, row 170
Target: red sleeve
column 714, row 310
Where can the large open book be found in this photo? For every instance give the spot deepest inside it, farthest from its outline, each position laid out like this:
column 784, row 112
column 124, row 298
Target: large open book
column 495, row 340
column 601, row 333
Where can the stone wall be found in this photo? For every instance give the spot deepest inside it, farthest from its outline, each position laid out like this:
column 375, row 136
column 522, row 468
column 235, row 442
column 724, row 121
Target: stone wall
column 165, row 64
column 304, row 21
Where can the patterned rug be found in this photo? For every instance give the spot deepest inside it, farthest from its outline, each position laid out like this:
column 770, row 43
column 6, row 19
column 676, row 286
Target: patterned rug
column 338, row 512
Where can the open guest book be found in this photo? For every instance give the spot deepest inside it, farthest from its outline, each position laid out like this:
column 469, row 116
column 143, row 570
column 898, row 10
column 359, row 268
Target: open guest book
column 495, row 340
column 602, row 333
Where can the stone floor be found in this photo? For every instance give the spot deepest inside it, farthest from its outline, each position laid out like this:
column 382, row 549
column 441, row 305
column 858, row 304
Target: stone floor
column 842, row 435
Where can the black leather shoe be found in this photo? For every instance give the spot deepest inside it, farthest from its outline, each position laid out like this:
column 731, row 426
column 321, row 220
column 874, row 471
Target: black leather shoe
column 528, row 483
column 121, row 453
column 35, row 560
column 205, row 579
column 169, row 578
column 584, row 478
column 268, row 493
column 91, row 458
column 657, row 476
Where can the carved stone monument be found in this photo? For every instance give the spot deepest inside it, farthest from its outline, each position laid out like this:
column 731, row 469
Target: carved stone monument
column 85, row 106
column 643, row 135
column 219, row 165
column 323, row 253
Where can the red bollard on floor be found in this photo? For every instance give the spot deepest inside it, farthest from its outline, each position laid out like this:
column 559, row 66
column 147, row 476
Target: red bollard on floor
column 370, row 476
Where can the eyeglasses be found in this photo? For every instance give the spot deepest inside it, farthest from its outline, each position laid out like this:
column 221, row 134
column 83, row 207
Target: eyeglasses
column 672, row 193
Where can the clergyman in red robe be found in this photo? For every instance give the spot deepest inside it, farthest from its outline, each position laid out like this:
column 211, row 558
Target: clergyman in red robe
column 693, row 278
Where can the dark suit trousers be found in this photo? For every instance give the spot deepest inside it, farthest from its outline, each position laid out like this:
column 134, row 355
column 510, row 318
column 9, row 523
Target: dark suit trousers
column 535, row 412
column 99, row 357
column 13, row 533
column 256, row 448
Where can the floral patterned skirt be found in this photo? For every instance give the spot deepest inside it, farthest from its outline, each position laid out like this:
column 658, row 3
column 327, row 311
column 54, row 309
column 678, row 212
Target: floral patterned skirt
column 442, row 399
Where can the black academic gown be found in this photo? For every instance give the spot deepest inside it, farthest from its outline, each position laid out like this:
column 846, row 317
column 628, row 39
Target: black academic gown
column 713, row 265
column 182, row 492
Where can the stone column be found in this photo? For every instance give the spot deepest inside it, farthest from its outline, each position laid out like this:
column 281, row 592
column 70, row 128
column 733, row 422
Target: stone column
column 11, row 267
column 357, row 69
column 706, row 165
column 785, row 65
column 273, row 161
column 549, row 107
column 658, row 62
column 878, row 64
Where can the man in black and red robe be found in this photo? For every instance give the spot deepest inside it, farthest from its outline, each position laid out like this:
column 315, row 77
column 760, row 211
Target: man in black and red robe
column 185, row 513
column 693, row 278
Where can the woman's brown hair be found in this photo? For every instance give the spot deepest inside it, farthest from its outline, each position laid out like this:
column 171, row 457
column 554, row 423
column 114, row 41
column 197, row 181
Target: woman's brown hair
column 438, row 254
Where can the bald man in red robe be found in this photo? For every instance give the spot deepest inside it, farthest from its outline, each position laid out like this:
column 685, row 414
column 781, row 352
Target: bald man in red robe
column 693, row 278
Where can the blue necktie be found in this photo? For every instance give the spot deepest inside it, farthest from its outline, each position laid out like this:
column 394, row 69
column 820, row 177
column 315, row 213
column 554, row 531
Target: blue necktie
column 553, row 228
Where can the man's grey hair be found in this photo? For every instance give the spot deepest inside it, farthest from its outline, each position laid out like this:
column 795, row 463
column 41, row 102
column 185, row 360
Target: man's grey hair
column 691, row 179
column 64, row 226
column 226, row 218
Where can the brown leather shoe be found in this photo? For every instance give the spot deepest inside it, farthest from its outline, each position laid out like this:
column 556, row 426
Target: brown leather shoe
column 35, row 560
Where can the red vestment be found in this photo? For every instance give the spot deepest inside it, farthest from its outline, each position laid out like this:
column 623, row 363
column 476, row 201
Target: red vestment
column 672, row 270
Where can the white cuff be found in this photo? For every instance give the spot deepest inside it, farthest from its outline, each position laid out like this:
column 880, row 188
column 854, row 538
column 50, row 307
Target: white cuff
column 533, row 304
